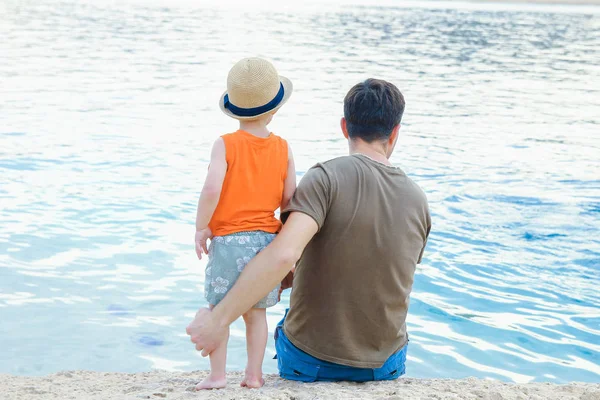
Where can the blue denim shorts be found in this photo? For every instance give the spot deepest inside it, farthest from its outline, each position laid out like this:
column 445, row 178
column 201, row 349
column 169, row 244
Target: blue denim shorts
column 296, row 365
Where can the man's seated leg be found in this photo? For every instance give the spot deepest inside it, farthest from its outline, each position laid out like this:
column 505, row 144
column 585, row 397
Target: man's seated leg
column 295, row 364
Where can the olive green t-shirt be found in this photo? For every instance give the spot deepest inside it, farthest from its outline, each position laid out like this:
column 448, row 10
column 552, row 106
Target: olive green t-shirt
column 352, row 284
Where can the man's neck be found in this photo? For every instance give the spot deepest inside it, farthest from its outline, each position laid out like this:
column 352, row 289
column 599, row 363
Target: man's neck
column 375, row 150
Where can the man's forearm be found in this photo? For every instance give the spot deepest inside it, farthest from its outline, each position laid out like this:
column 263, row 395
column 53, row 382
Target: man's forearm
column 267, row 269
column 259, row 277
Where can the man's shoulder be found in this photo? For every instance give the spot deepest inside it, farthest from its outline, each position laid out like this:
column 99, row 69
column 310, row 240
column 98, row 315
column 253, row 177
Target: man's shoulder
column 337, row 161
column 328, row 170
column 334, row 164
column 343, row 164
column 416, row 190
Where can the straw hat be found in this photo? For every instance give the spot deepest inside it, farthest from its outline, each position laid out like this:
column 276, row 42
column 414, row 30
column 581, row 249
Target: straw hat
column 254, row 88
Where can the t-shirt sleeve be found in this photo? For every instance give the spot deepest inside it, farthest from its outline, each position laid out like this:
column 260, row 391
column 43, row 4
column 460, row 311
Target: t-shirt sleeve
column 312, row 196
column 426, row 235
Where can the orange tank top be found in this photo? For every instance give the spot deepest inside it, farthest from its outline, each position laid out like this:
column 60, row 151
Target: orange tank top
column 253, row 185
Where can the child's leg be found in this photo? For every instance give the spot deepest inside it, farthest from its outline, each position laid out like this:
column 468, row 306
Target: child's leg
column 256, row 342
column 218, row 359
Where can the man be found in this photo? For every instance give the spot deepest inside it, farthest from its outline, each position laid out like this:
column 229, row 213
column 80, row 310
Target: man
column 356, row 228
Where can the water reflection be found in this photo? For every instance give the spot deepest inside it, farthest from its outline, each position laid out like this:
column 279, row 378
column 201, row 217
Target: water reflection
column 107, row 113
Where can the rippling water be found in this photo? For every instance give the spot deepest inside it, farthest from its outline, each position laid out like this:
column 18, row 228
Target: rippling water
column 107, row 112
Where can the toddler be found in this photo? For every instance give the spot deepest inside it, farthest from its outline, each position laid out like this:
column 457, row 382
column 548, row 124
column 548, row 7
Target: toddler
column 251, row 174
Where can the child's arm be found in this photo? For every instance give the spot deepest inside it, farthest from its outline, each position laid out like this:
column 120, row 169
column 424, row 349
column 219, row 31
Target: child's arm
column 209, row 198
column 289, row 186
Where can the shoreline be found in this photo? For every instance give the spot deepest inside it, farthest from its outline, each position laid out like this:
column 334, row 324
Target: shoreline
column 80, row 385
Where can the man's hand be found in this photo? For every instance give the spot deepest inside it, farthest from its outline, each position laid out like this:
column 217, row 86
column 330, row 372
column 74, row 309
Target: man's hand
column 205, row 332
column 201, row 237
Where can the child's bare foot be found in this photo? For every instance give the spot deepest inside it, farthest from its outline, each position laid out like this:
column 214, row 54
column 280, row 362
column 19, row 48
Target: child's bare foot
column 211, row 382
column 252, row 382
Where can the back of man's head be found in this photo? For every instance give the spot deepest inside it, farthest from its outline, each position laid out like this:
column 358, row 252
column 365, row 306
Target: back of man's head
column 372, row 109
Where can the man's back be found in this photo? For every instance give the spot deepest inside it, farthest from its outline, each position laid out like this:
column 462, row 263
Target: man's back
column 352, row 284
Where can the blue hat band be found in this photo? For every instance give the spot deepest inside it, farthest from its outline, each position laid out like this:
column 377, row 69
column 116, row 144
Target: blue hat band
column 251, row 112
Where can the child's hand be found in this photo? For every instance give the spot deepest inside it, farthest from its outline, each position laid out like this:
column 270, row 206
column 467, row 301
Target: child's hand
column 201, row 238
column 287, row 282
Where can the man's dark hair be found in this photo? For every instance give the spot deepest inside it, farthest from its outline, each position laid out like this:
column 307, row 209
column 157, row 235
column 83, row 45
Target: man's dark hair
column 372, row 109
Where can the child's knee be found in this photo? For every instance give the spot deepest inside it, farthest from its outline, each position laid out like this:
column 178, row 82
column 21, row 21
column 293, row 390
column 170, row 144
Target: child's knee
column 255, row 315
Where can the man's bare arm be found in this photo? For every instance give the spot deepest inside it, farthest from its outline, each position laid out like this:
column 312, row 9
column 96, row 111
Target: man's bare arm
column 258, row 278
column 268, row 268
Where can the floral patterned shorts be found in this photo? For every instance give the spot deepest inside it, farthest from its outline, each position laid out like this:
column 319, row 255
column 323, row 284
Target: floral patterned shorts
column 227, row 257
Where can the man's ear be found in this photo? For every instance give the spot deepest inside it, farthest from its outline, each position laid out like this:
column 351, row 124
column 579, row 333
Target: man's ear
column 394, row 136
column 344, row 128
